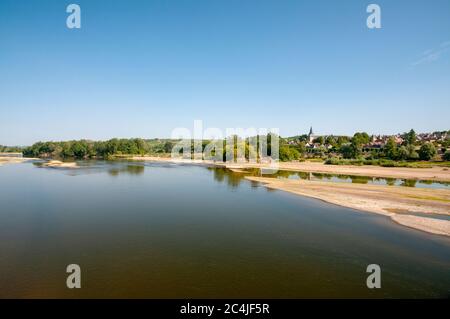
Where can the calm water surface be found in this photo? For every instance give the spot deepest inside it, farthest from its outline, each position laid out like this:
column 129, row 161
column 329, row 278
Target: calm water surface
column 166, row 230
column 340, row 178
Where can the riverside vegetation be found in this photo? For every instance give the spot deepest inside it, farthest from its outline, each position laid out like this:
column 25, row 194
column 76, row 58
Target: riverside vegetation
column 334, row 150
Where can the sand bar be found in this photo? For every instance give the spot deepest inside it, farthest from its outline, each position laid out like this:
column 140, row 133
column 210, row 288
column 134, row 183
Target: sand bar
column 436, row 173
column 393, row 201
column 15, row 160
column 59, row 164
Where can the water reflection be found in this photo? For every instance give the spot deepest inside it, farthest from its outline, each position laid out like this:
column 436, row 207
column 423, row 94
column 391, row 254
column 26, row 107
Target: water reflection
column 409, row 183
column 112, row 168
column 341, row 178
column 389, row 181
column 234, row 177
column 177, row 233
column 224, row 175
column 128, row 169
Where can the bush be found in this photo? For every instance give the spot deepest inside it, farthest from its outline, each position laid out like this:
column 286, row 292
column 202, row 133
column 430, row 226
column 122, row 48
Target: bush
column 337, row 161
column 288, row 154
column 332, row 161
column 447, row 156
column 427, row 151
column 372, row 162
column 387, row 163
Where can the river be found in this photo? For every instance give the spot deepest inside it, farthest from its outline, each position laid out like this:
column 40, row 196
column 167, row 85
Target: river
column 152, row 230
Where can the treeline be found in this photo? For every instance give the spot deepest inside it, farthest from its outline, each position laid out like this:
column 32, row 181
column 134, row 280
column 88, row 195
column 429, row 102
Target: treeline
column 410, row 149
column 83, row 149
column 10, row 149
column 333, row 148
column 87, row 149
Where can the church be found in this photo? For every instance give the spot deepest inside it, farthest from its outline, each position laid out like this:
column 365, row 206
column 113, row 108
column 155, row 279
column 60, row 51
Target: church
column 311, row 135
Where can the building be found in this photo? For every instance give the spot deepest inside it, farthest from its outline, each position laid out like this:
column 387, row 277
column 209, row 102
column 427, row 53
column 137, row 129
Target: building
column 311, row 136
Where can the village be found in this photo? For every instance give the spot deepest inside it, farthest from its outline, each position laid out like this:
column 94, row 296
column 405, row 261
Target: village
column 410, row 143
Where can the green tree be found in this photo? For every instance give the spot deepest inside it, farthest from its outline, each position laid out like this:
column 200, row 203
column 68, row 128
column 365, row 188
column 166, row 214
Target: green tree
column 410, row 137
column 66, row 150
column 427, row 151
column 390, row 149
column 342, row 140
column 354, row 150
column 168, row 145
column 361, row 138
column 412, row 154
column 79, row 149
column 350, row 150
column 447, row 156
column 330, row 140
column 301, row 148
column 319, row 140
column 403, row 153
column 288, row 154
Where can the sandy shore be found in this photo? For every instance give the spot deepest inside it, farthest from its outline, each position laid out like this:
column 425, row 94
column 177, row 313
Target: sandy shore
column 15, row 160
column 169, row 160
column 51, row 163
column 393, row 201
column 441, row 174
column 432, row 174
column 59, row 164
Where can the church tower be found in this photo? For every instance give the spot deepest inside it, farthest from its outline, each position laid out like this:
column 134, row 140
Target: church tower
column 311, row 135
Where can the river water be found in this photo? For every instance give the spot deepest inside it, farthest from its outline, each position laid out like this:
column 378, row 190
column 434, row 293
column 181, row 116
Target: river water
column 165, row 230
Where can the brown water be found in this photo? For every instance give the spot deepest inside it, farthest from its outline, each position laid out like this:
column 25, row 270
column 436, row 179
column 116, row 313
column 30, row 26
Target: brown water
column 166, row 230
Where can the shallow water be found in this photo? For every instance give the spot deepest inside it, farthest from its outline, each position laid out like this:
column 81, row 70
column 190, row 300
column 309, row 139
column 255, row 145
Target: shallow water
column 341, row 178
column 167, row 230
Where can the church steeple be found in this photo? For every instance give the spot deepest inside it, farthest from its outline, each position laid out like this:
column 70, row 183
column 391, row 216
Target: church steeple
column 311, row 135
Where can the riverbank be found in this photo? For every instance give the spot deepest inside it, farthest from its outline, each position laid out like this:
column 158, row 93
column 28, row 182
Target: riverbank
column 14, row 160
column 407, row 206
column 441, row 174
column 398, row 203
column 430, row 173
column 50, row 163
column 59, row 164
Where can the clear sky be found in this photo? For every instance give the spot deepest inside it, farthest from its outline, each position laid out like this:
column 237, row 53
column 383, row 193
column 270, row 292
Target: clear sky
column 142, row 68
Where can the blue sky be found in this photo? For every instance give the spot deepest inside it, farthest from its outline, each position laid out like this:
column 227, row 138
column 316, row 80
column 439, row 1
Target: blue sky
column 143, row 68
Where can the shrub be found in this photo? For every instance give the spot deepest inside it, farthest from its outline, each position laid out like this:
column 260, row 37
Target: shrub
column 447, row 156
column 427, row 151
column 387, row 163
